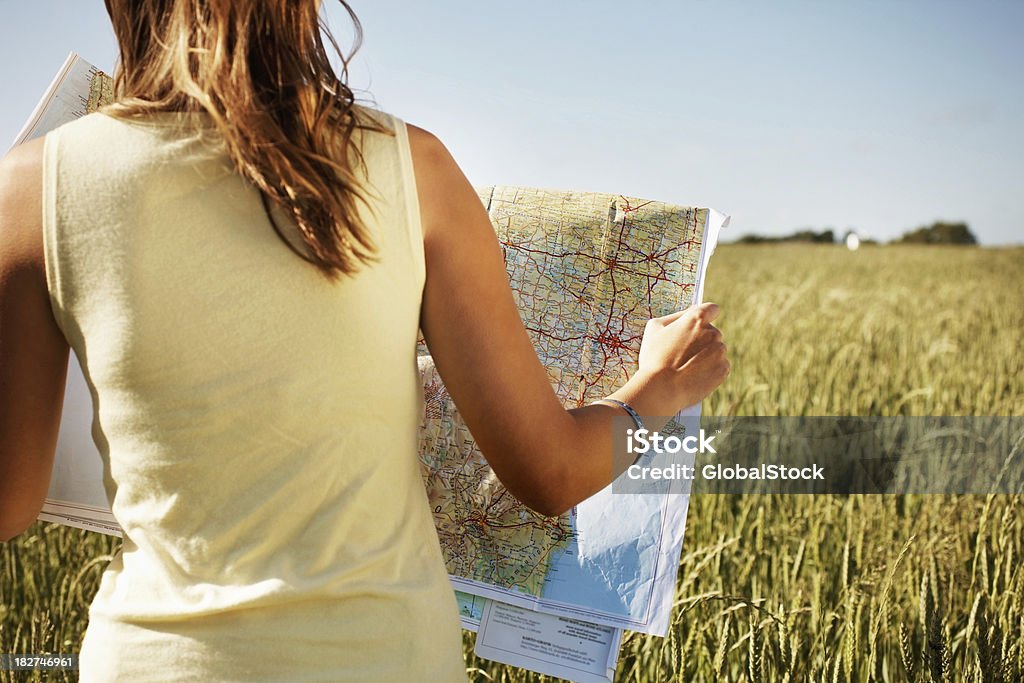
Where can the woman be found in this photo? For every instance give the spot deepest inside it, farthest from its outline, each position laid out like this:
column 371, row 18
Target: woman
column 241, row 257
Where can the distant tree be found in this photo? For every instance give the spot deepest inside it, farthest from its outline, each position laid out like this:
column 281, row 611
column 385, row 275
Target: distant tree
column 805, row 235
column 826, row 236
column 940, row 232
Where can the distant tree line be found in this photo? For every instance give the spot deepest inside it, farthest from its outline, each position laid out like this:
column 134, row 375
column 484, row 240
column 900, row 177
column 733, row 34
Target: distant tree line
column 939, row 232
column 826, row 236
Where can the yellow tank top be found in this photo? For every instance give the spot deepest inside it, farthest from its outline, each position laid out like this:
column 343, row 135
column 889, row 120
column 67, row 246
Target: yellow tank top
column 257, row 422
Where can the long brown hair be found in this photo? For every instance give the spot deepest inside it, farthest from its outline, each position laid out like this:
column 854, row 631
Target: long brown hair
column 259, row 68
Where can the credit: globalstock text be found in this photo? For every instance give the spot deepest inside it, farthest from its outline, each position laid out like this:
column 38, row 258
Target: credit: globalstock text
column 641, row 442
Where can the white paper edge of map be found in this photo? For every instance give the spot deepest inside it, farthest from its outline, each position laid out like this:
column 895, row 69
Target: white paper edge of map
column 548, row 664
column 76, row 496
column 716, row 221
column 46, row 101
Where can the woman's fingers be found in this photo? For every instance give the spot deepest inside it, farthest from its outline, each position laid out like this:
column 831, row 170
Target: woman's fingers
column 706, row 369
column 707, row 312
column 670, row 341
column 714, row 356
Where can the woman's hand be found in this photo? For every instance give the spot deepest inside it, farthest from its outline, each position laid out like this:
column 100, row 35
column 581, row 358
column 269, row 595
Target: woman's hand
column 687, row 350
column 682, row 360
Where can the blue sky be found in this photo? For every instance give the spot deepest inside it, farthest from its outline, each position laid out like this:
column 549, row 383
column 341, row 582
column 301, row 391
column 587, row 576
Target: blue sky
column 876, row 115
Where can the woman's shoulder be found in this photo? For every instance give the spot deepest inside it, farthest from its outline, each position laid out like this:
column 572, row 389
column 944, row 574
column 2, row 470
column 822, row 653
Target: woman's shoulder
column 371, row 118
column 439, row 181
column 441, row 184
column 427, row 145
column 449, row 205
column 21, row 158
column 21, row 185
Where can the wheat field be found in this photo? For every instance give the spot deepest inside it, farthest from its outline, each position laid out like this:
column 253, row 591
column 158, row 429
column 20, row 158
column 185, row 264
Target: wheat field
column 778, row 588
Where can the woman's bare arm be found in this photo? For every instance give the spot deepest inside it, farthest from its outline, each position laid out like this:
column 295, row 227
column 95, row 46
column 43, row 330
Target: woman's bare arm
column 33, row 352
column 548, row 457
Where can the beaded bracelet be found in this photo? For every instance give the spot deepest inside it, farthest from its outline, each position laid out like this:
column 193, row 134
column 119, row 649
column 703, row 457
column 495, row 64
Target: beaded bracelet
column 628, row 408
